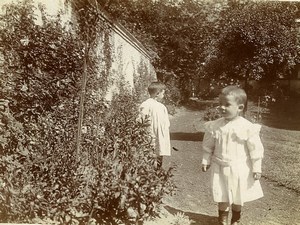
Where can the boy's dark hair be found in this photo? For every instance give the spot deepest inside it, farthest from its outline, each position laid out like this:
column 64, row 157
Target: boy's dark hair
column 238, row 93
column 155, row 88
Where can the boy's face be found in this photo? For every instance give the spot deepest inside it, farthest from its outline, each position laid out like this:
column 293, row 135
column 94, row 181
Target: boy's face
column 160, row 95
column 229, row 108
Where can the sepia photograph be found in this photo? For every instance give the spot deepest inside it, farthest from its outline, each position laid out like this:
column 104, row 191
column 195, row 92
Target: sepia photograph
column 149, row 112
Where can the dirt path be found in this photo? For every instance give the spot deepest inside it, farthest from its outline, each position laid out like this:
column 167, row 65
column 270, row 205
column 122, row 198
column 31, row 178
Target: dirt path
column 279, row 206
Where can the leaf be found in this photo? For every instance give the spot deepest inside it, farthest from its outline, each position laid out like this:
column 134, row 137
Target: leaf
column 117, row 194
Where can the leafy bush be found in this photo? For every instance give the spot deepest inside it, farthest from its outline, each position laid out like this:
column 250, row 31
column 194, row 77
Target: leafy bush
column 116, row 178
column 211, row 113
column 113, row 179
column 135, row 182
column 214, row 88
column 40, row 117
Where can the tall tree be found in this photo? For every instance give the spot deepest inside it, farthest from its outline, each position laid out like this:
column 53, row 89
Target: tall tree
column 257, row 40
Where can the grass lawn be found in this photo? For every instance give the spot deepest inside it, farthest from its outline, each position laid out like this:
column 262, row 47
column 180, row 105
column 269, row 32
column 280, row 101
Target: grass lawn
column 281, row 138
column 282, row 156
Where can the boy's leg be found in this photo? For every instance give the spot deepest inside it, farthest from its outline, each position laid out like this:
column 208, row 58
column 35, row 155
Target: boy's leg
column 236, row 214
column 223, row 208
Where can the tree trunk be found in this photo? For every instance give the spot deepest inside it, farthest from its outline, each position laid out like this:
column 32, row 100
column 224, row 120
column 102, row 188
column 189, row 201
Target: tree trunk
column 246, row 88
column 81, row 105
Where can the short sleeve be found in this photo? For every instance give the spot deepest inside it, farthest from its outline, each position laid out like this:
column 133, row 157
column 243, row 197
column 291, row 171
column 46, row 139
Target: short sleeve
column 255, row 147
column 208, row 145
column 246, row 131
column 254, row 130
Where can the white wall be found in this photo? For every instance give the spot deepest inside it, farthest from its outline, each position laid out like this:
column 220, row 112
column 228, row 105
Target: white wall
column 126, row 61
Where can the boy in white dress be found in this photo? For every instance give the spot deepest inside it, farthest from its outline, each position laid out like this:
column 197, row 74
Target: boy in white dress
column 154, row 111
column 233, row 150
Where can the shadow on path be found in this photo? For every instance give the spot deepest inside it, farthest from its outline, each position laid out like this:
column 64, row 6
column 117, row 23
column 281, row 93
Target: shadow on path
column 197, row 219
column 180, row 136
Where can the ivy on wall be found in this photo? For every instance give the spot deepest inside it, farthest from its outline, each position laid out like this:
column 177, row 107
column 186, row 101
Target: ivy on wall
column 44, row 178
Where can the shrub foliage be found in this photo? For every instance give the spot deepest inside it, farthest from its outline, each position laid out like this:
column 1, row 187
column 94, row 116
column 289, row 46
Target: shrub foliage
column 114, row 179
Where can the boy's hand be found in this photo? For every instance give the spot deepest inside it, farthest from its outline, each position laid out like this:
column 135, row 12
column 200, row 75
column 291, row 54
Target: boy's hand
column 256, row 176
column 205, row 167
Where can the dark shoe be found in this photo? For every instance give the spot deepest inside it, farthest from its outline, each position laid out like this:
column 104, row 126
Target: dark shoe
column 223, row 217
column 236, row 216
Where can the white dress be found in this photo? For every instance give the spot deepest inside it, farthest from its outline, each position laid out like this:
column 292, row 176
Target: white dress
column 158, row 117
column 234, row 150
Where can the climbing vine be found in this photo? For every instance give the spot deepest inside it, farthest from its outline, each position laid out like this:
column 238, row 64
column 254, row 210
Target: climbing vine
column 43, row 177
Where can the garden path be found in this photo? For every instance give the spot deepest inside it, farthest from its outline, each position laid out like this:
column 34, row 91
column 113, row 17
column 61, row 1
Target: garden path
column 279, row 206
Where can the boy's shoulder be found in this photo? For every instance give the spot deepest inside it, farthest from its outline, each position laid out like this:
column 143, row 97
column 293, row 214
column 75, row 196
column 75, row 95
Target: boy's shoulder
column 254, row 127
column 244, row 121
column 214, row 124
column 245, row 129
column 241, row 122
column 245, row 124
column 150, row 102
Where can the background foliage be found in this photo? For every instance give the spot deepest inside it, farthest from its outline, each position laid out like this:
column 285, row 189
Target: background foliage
column 252, row 45
column 196, row 40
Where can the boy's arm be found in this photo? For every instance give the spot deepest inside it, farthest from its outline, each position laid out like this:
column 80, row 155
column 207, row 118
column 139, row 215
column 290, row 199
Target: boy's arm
column 161, row 126
column 208, row 146
column 256, row 151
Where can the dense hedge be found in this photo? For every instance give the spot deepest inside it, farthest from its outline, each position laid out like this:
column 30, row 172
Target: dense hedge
column 116, row 178
column 113, row 179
